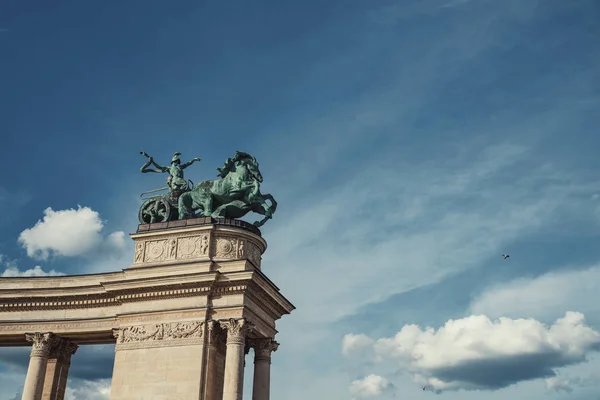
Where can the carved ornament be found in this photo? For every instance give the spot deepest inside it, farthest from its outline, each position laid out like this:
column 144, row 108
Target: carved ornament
column 62, row 350
column 237, row 329
column 263, row 348
column 41, row 343
column 158, row 335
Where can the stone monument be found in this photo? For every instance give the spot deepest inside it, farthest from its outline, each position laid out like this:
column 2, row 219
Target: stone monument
column 182, row 316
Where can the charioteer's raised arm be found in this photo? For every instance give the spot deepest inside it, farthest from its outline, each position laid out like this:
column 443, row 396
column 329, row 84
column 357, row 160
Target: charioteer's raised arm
column 187, row 164
column 151, row 162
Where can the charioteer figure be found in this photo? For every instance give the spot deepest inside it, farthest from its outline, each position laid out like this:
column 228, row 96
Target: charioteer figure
column 175, row 181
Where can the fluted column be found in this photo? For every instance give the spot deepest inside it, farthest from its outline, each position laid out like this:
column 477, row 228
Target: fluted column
column 34, row 382
column 263, row 348
column 57, row 370
column 233, row 386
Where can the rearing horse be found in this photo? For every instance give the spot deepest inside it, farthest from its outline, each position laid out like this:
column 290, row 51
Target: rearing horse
column 232, row 196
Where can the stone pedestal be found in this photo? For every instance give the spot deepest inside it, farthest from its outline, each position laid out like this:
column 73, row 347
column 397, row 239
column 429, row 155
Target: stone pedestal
column 40, row 350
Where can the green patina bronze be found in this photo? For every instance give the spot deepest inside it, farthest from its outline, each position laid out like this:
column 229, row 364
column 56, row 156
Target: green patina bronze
column 175, row 180
column 233, row 195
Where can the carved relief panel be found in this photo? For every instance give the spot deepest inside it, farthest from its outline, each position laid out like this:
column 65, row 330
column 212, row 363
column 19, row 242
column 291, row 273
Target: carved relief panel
column 198, row 246
column 174, row 248
column 234, row 248
column 159, row 335
column 156, row 250
column 192, row 247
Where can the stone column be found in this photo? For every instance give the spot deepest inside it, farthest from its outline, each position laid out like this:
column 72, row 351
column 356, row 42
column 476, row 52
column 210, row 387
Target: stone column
column 233, row 386
column 34, row 382
column 215, row 365
column 57, row 370
column 263, row 348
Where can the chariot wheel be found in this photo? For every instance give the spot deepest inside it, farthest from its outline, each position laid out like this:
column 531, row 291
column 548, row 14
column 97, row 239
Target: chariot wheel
column 155, row 209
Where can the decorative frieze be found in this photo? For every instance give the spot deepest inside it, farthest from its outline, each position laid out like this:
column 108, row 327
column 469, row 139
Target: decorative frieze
column 181, row 247
column 155, row 250
column 253, row 254
column 192, row 247
column 159, row 335
column 206, row 245
column 139, row 252
column 226, row 247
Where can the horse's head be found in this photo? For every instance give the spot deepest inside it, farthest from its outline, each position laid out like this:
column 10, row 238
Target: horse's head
column 252, row 167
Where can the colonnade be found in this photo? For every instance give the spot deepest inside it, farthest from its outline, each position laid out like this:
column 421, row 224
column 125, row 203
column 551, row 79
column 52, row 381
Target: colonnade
column 49, row 363
column 50, row 359
column 237, row 347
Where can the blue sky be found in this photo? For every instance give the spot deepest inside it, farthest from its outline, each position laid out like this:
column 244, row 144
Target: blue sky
column 408, row 143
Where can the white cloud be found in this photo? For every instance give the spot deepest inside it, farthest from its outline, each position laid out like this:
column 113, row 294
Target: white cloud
column 545, row 296
column 352, row 343
column 477, row 353
column 12, row 270
column 71, row 232
column 36, row 271
column 370, row 386
column 89, row 390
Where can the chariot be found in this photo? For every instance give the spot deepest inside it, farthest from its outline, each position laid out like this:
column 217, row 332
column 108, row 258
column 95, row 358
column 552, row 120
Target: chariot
column 233, row 195
column 162, row 207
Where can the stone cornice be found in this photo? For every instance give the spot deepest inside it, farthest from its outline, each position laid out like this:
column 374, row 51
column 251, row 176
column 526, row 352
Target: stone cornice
column 199, row 279
column 227, row 266
column 118, row 292
column 61, row 303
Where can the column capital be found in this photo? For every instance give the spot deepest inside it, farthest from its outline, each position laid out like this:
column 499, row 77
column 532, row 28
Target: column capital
column 41, row 343
column 263, row 348
column 237, row 329
column 62, row 349
column 216, row 335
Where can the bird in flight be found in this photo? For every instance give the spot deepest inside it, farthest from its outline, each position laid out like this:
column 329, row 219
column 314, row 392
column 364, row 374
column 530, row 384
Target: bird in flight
column 505, row 256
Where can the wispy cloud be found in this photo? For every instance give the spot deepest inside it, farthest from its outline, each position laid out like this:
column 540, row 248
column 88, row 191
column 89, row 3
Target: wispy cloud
column 412, row 225
column 543, row 296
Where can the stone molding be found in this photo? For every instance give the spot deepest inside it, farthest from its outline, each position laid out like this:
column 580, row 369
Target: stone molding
column 237, row 329
column 41, row 343
column 159, row 335
column 60, row 303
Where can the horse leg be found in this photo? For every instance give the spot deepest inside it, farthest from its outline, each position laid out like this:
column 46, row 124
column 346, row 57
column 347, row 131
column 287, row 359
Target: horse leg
column 273, row 207
column 265, row 209
column 185, row 206
column 205, row 203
